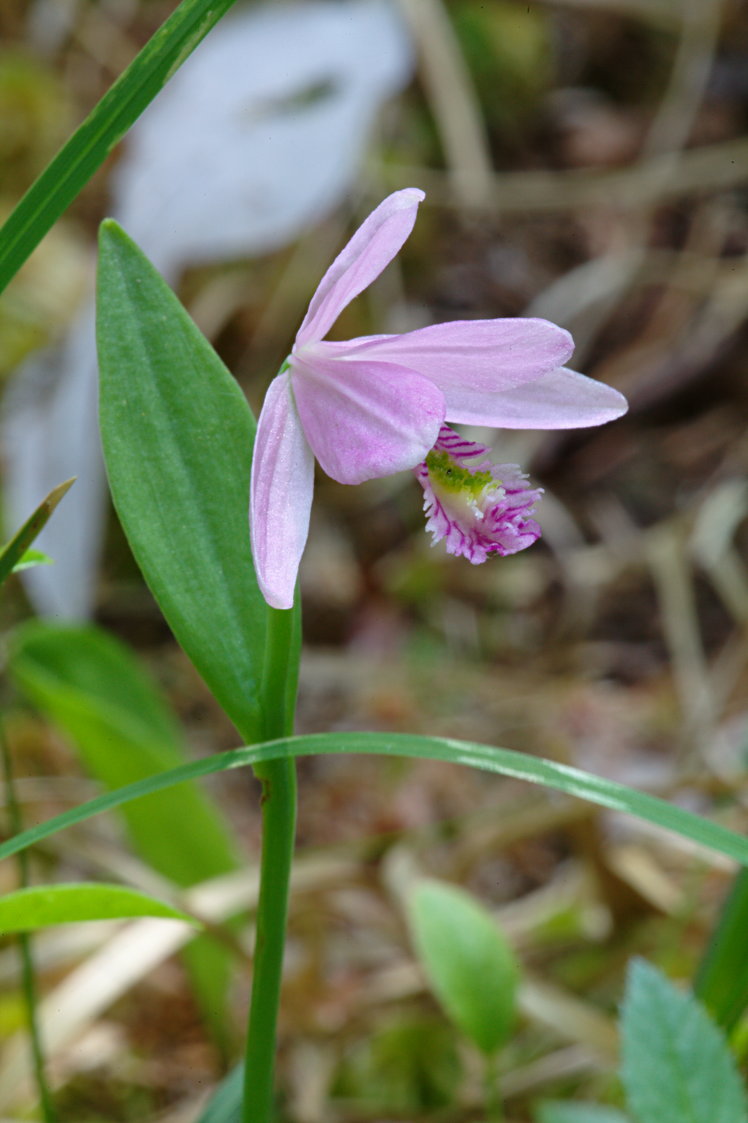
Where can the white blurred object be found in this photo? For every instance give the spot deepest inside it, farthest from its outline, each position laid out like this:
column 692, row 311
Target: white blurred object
column 50, row 433
column 261, row 135
column 257, row 136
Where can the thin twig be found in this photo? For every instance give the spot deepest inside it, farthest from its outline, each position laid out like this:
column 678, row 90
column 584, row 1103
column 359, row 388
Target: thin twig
column 28, row 974
column 453, row 100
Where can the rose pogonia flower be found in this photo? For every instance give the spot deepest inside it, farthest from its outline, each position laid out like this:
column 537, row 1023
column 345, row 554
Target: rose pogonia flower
column 376, row 405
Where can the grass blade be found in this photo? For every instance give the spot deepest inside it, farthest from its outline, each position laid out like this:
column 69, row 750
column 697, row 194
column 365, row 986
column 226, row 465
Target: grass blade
column 501, row 762
column 722, row 978
column 12, row 554
column 85, row 151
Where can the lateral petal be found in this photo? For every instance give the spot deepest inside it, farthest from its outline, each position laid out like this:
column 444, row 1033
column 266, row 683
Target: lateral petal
column 369, row 251
column 364, row 420
column 561, row 399
column 490, row 355
column 280, row 494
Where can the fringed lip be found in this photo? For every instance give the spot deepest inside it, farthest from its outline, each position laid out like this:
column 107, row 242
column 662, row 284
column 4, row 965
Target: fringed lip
column 477, row 508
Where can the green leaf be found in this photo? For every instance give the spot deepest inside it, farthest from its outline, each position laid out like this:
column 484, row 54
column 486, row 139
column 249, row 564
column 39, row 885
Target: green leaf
column 177, row 435
column 467, row 960
column 44, row 905
column 574, row 1111
column 91, row 687
column 722, row 978
column 677, row 1067
column 13, row 554
column 85, row 151
column 225, row 1104
column 501, row 762
column 30, row 558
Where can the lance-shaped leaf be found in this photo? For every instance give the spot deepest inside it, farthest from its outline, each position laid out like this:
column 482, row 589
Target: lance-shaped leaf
column 177, row 436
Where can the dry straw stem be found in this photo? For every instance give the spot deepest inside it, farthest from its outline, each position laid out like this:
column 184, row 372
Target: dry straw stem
column 666, row 137
column 137, row 948
column 453, row 100
column 713, row 167
column 664, row 12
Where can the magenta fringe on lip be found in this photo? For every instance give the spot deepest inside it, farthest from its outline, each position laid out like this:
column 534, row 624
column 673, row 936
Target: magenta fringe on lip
column 475, row 523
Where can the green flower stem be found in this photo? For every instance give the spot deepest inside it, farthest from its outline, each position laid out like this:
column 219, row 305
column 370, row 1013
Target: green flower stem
column 70, row 170
column 278, row 779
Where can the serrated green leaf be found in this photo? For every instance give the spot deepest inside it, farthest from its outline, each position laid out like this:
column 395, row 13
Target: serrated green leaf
column 677, row 1067
column 487, row 758
column 574, row 1111
column 225, row 1104
column 12, row 554
column 42, row 906
column 467, row 960
column 177, row 436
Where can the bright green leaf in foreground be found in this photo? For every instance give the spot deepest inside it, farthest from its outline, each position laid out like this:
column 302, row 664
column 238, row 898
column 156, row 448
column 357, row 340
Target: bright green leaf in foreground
column 41, row 906
column 468, row 961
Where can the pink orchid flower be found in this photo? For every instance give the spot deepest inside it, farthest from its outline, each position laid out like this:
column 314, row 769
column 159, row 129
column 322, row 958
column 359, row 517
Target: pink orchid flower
column 376, row 405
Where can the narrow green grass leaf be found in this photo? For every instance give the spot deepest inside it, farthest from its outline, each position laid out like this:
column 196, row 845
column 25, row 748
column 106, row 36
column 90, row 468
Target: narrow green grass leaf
column 85, row 151
column 467, row 960
column 177, row 435
column 677, row 1067
column 722, row 978
column 501, row 762
column 42, row 906
column 12, row 555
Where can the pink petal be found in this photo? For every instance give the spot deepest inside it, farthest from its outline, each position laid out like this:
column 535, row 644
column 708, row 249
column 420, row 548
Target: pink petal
column 371, row 248
column 480, row 355
column 364, row 419
column 561, row 399
column 280, row 495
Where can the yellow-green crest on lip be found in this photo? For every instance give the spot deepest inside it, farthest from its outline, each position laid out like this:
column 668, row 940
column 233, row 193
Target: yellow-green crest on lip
column 448, row 474
column 478, row 512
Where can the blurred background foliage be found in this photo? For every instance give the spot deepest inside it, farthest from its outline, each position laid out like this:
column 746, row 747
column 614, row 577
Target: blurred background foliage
column 584, row 160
